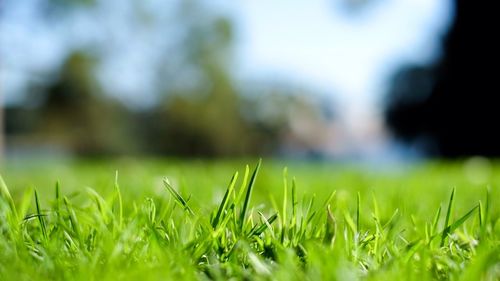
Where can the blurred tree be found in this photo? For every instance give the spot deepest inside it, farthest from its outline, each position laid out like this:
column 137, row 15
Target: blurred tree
column 207, row 116
column 453, row 104
column 411, row 85
column 199, row 107
column 75, row 114
column 202, row 117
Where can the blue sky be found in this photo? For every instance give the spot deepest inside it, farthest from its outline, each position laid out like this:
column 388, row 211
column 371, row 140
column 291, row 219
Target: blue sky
column 351, row 57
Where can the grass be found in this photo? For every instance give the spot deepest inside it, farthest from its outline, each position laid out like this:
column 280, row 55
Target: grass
column 157, row 220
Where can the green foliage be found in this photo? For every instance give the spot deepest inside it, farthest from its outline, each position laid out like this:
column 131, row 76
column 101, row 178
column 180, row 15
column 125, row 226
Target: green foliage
column 115, row 234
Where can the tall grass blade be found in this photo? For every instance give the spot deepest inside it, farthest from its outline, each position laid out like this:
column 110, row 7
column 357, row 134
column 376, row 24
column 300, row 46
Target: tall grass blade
column 331, row 227
column 225, row 200
column 448, row 215
column 58, row 197
column 294, row 204
column 72, row 218
column 358, row 207
column 40, row 216
column 120, row 203
column 481, row 214
column 246, row 203
column 435, row 221
column 285, row 199
column 486, row 212
column 244, row 181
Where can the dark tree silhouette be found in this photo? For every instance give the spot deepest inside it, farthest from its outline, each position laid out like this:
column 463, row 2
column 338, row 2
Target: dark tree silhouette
column 453, row 103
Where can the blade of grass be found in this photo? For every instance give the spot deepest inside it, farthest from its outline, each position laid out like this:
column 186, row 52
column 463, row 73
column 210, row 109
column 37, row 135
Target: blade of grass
column 4, row 192
column 40, row 216
column 448, row 215
column 358, row 207
column 178, row 198
column 480, row 214
column 294, row 205
column 120, row 203
column 461, row 220
column 72, row 218
column 284, row 211
column 246, row 203
column 25, row 203
column 101, row 205
column 331, row 227
column 391, row 219
column 58, row 198
column 237, row 199
column 265, row 225
column 378, row 226
column 225, row 200
column 486, row 212
column 350, row 222
column 436, row 220
column 376, row 211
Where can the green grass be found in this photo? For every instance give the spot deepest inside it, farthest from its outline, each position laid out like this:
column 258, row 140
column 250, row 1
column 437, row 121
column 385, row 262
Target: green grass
column 181, row 220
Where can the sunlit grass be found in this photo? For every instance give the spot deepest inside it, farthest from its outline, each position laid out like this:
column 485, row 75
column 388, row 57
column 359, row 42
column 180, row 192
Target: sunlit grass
column 162, row 221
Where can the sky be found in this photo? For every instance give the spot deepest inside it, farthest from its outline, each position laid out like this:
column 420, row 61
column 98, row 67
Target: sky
column 349, row 56
column 315, row 42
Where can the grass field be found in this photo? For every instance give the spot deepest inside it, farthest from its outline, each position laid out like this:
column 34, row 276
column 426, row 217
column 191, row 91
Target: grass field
column 181, row 220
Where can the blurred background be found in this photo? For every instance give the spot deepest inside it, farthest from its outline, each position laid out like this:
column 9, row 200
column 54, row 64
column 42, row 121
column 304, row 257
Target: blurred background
column 367, row 80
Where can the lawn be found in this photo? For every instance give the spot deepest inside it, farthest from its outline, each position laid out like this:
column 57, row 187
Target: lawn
column 153, row 219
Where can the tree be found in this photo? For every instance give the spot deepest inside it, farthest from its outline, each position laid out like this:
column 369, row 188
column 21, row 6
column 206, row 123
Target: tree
column 77, row 115
column 458, row 115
